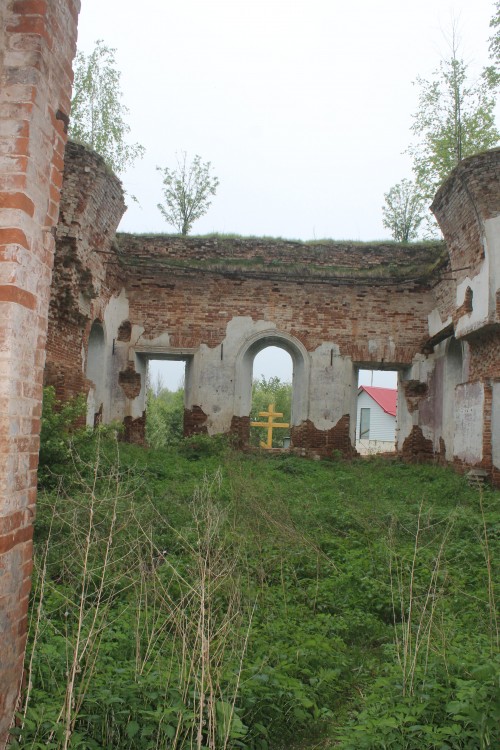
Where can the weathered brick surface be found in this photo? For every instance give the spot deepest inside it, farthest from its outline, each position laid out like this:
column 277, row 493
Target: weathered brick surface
column 195, row 421
column 324, row 442
column 373, row 301
column 134, row 429
column 417, row 448
column 463, row 202
column 91, row 207
column 240, row 430
column 37, row 45
column 193, row 287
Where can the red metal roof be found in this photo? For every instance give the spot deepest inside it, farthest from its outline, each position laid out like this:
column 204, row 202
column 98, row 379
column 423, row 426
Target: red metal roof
column 387, row 398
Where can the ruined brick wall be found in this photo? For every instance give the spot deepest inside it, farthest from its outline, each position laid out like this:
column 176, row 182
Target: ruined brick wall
column 92, row 205
column 257, row 256
column 462, row 204
column 372, row 300
column 324, row 443
column 377, row 304
column 37, row 45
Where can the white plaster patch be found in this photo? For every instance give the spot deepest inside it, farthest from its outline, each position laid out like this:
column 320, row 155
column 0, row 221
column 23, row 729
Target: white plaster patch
column 117, row 310
column 492, row 249
column 469, row 415
column 480, row 286
column 436, row 324
column 332, row 390
column 495, row 425
column 158, row 345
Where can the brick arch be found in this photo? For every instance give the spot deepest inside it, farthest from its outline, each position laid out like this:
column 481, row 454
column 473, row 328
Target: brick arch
column 301, row 372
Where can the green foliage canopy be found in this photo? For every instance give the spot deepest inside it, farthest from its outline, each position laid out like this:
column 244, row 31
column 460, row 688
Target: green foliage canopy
column 454, row 119
column 98, row 116
column 245, row 602
column 403, row 212
column 187, row 191
column 164, row 417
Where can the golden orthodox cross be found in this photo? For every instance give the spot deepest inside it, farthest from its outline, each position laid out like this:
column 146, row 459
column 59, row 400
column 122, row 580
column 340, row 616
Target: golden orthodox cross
column 270, row 424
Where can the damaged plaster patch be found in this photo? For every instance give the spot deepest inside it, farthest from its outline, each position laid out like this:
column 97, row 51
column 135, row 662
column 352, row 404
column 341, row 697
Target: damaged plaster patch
column 495, row 425
column 469, row 413
column 435, row 323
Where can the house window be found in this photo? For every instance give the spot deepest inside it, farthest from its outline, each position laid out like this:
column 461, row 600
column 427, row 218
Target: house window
column 364, row 424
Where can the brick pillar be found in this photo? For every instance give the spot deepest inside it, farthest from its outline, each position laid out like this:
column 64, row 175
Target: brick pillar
column 37, row 46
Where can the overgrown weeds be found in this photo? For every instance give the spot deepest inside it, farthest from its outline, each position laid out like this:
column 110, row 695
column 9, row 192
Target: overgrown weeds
column 241, row 601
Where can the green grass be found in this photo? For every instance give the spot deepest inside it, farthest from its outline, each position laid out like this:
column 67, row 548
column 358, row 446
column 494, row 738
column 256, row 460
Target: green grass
column 255, row 601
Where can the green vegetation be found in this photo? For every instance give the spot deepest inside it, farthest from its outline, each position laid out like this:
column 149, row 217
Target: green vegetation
column 455, row 118
column 418, row 260
column 187, row 192
column 197, row 597
column 165, row 417
column 98, row 116
column 267, row 391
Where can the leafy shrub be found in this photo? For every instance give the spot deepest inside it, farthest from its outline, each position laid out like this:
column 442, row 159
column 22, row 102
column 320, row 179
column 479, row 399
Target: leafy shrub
column 164, row 417
column 227, row 603
column 61, row 428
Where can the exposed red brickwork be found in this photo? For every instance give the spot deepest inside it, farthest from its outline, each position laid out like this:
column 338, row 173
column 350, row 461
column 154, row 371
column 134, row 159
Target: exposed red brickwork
column 124, row 331
column 135, row 430
column 349, row 293
column 195, row 422
column 414, row 391
column 461, row 205
column 240, row 428
column 130, row 381
column 484, row 355
column 416, row 448
column 37, row 45
column 324, row 442
column 91, row 208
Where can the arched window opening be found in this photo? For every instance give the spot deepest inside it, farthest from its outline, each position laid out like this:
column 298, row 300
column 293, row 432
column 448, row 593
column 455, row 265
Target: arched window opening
column 272, row 376
column 96, row 373
column 376, row 411
column 165, row 402
column 245, row 369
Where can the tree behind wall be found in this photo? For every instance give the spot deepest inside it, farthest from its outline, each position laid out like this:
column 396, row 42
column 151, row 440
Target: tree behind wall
column 454, row 119
column 187, row 191
column 98, row 117
column 404, row 211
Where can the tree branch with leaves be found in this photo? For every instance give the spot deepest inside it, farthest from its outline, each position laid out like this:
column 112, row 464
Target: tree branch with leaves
column 98, row 117
column 404, row 211
column 187, row 191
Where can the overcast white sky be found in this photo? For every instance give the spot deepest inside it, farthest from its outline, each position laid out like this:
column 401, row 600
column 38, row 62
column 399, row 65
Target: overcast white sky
column 303, row 107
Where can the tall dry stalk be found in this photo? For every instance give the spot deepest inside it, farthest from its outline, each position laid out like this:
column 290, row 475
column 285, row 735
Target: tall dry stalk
column 200, row 619
column 492, row 607
column 88, row 522
column 414, row 604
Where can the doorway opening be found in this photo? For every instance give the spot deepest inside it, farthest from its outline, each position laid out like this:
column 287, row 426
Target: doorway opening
column 165, row 402
column 272, row 377
column 376, row 411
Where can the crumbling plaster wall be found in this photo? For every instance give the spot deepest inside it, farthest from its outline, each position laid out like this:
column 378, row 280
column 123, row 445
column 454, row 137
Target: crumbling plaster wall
column 467, row 207
column 37, row 45
column 333, row 306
